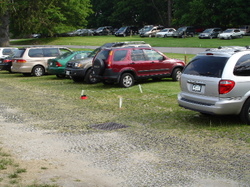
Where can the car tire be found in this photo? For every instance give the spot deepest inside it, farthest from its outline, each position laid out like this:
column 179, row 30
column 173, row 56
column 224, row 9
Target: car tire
column 245, row 112
column 38, row 71
column 77, row 79
column 165, row 36
column 126, row 80
column 89, row 79
column 98, row 66
column 176, row 75
column 60, row 76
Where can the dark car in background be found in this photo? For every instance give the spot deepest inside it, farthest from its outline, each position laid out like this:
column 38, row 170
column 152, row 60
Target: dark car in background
column 6, row 55
column 210, row 33
column 185, row 31
column 127, row 31
column 105, row 30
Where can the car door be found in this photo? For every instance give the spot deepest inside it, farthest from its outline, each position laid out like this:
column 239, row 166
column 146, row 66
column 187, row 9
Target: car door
column 158, row 63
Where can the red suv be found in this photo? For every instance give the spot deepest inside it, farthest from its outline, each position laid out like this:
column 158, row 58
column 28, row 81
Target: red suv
column 127, row 64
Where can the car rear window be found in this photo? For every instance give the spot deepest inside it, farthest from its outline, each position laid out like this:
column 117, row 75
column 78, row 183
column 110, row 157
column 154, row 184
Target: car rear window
column 103, row 54
column 209, row 66
column 19, row 53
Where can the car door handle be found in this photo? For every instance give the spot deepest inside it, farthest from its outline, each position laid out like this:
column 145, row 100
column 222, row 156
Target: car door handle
column 132, row 63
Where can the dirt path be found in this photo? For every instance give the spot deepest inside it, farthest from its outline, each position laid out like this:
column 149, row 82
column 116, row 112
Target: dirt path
column 116, row 158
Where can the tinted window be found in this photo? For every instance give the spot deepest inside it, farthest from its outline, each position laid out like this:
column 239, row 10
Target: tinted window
column 242, row 67
column 103, row 54
column 7, row 51
column 19, row 53
column 35, row 53
column 51, row 52
column 120, row 55
column 209, row 66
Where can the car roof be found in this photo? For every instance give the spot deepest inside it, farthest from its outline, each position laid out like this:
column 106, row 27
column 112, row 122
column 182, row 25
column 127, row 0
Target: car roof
column 224, row 51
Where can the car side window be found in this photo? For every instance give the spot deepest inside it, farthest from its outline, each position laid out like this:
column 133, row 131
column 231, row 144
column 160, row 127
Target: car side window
column 152, row 55
column 120, row 55
column 35, row 53
column 137, row 55
column 242, row 67
column 51, row 52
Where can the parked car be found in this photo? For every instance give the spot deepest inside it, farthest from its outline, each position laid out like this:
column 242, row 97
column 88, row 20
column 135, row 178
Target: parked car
column 7, row 51
column 125, row 65
column 185, row 31
column 33, row 60
column 210, row 33
column 56, row 66
column 106, row 30
column 231, row 33
column 6, row 55
column 81, row 70
column 165, row 32
column 85, row 32
column 126, row 31
column 217, row 82
column 150, row 31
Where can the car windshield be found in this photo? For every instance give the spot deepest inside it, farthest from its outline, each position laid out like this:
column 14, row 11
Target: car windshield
column 65, row 55
column 164, row 30
column 121, row 29
column 100, row 28
column 228, row 31
column 209, row 66
column 207, row 30
column 181, row 29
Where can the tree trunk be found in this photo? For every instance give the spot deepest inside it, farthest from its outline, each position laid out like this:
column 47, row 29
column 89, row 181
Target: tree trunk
column 169, row 23
column 4, row 30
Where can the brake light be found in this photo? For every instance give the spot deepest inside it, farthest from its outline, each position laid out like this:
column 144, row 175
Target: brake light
column 20, row 61
column 6, row 61
column 225, row 86
column 58, row 64
column 110, row 59
column 210, row 54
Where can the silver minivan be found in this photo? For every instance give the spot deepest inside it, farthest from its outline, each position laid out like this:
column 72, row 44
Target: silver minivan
column 33, row 60
column 217, row 81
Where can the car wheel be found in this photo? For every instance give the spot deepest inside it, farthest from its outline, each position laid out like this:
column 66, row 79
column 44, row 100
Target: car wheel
column 211, row 37
column 176, row 75
column 98, row 66
column 165, row 36
column 245, row 112
column 60, row 76
column 127, row 80
column 89, row 77
column 38, row 71
column 77, row 79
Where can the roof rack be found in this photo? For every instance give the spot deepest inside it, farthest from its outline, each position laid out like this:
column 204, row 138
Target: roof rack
column 118, row 44
column 229, row 49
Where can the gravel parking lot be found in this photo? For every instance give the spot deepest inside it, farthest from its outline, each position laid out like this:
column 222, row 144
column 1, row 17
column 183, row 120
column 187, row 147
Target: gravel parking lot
column 122, row 157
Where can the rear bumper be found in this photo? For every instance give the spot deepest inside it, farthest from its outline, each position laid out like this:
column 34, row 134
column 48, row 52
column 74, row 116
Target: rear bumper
column 223, row 106
column 55, row 71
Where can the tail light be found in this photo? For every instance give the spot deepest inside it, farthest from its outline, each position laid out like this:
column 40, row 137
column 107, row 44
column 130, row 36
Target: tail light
column 58, row 64
column 225, row 86
column 109, row 61
column 6, row 61
column 20, row 61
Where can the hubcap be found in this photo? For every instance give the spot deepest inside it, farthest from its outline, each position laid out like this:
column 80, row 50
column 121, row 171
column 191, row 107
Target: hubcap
column 38, row 72
column 127, row 81
column 178, row 75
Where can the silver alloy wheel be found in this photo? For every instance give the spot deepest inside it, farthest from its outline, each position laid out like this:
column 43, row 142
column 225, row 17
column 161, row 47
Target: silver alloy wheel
column 127, row 81
column 38, row 71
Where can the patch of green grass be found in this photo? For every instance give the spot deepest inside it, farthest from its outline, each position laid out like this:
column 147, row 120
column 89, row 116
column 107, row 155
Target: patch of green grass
column 155, row 42
column 57, row 102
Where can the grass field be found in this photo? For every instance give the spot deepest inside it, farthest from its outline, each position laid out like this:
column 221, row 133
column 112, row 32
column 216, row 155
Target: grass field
column 155, row 42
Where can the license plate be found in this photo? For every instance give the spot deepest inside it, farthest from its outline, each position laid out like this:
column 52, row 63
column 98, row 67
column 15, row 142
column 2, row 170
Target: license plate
column 67, row 72
column 196, row 88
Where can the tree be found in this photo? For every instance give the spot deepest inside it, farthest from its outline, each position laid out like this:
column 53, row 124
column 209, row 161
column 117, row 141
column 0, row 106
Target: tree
column 42, row 16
